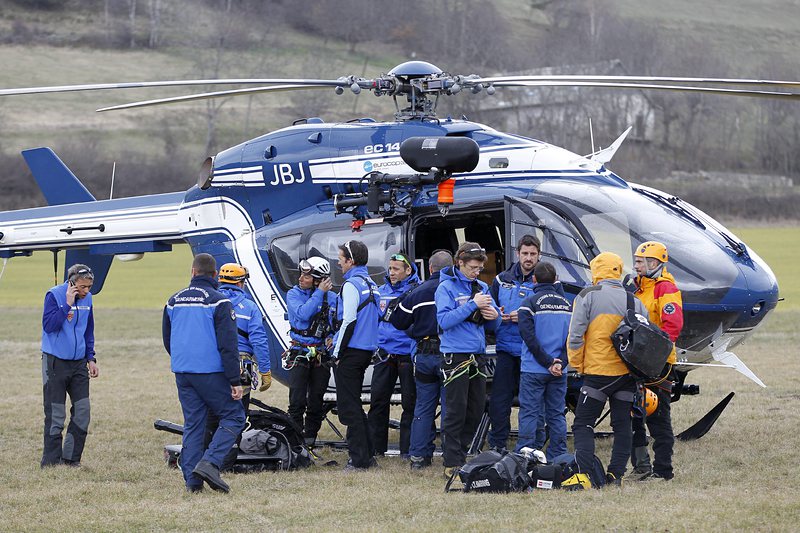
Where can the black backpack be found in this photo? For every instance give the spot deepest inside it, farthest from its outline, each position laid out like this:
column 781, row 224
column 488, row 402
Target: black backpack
column 493, row 471
column 571, row 477
column 643, row 346
column 284, row 448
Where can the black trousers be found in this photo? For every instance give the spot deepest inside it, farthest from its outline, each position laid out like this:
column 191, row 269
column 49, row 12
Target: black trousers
column 660, row 426
column 212, row 423
column 59, row 379
column 384, row 378
column 307, row 386
column 349, row 372
column 619, row 392
column 464, row 405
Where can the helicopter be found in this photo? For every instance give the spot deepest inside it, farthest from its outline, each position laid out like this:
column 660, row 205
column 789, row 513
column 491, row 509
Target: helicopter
column 415, row 184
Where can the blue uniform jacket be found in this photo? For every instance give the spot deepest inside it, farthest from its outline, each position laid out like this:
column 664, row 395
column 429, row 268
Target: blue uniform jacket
column 67, row 331
column 199, row 331
column 303, row 305
column 509, row 288
column 454, row 305
column 416, row 313
column 249, row 325
column 544, row 324
column 390, row 338
column 361, row 330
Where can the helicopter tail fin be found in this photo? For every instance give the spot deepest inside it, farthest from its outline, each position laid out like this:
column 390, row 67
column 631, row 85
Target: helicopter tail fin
column 56, row 181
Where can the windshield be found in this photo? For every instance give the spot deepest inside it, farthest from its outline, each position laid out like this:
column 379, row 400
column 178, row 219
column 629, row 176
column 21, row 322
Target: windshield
column 619, row 219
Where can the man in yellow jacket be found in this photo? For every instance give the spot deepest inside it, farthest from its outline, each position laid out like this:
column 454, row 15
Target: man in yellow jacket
column 597, row 312
column 656, row 288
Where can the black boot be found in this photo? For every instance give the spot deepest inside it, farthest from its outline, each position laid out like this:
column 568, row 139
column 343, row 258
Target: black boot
column 209, row 473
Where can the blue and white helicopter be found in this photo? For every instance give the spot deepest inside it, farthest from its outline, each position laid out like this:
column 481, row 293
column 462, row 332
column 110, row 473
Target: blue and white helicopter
column 270, row 201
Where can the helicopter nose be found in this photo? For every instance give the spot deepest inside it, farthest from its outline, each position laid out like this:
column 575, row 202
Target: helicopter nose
column 759, row 291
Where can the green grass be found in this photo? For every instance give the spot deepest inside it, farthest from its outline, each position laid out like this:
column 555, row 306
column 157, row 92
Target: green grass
column 778, row 246
column 738, row 477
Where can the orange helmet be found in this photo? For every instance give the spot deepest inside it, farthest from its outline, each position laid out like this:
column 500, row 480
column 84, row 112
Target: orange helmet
column 233, row 273
column 649, row 401
column 653, row 250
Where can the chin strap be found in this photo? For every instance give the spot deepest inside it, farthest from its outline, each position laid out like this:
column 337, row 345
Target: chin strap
column 656, row 272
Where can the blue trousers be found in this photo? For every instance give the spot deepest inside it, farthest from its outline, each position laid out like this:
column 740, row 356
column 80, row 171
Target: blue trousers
column 542, row 395
column 199, row 394
column 428, row 379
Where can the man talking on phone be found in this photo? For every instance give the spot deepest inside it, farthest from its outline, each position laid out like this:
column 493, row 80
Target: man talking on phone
column 67, row 364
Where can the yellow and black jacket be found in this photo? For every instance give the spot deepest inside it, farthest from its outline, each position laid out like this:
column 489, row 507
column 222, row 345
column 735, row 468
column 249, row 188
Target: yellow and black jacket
column 596, row 314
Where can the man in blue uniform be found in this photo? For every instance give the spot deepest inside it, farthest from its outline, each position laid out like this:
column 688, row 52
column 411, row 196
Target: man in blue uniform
column 67, row 364
column 199, row 330
column 393, row 360
column 509, row 288
column 312, row 306
column 252, row 336
column 544, row 325
column 356, row 341
column 464, row 309
column 416, row 314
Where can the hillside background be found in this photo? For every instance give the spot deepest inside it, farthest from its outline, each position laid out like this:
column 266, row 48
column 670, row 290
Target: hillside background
column 737, row 158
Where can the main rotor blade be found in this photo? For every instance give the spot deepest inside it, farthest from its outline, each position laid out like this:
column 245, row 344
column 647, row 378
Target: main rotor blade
column 642, row 86
column 642, row 79
column 205, row 96
column 173, row 83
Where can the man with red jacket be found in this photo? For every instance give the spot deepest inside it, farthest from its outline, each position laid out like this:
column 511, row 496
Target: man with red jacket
column 657, row 290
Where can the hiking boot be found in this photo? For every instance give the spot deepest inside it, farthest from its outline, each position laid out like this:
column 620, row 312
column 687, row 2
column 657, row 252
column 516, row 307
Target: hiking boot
column 419, row 463
column 612, row 480
column 194, row 489
column 309, row 441
column 209, row 473
column 71, row 464
column 350, row 467
column 656, row 475
column 498, row 449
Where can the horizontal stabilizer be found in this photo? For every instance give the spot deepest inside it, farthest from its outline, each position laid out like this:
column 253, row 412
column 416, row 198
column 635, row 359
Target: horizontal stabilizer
column 57, row 182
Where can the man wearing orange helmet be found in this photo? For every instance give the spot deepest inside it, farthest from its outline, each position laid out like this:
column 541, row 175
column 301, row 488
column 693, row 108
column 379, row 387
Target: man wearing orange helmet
column 656, row 288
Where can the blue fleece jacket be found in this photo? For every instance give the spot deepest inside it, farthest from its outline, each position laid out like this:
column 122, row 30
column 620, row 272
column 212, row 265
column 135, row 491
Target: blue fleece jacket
column 303, row 305
column 67, row 331
column 249, row 325
column 544, row 324
column 199, row 331
column 454, row 305
column 509, row 288
column 390, row 338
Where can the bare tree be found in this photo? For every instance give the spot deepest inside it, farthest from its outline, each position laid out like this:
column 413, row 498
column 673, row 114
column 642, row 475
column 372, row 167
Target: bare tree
column 132, row 15
column 155, row 23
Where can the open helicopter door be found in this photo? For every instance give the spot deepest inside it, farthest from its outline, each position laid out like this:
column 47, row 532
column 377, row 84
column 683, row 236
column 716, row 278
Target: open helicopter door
column 562, row 245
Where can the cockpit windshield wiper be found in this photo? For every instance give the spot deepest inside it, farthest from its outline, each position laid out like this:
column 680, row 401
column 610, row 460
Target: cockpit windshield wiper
column 677, row 205
column 673, row 203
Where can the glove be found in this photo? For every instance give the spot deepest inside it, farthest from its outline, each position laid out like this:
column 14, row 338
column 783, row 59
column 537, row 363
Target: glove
column 266, row 380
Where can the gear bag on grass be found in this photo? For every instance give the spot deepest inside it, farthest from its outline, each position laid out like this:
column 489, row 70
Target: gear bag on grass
column 572, row 478
column 643, row 346
column 273, row 442
column 493, row 471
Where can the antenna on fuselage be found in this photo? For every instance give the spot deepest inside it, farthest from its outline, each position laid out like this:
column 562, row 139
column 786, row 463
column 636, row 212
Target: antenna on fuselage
column 591, row 133
column 113, row 172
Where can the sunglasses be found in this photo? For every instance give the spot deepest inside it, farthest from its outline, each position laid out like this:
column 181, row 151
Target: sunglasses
column 84, row 273
column 400, row 257
column 349, row 251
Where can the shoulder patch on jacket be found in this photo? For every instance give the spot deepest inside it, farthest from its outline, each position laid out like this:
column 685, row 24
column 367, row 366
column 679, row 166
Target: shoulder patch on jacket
column 669, row 309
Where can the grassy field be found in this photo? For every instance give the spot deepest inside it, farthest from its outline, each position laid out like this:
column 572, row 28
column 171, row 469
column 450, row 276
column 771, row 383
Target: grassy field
column 740, row 476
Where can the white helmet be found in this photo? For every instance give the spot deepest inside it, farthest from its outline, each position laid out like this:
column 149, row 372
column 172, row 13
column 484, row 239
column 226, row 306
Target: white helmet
column 316, row 266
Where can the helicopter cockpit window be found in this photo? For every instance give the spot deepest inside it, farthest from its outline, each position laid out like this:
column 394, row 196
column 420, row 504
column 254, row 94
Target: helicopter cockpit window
column 382, row 241
column 285, row 254
column 619, row 219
